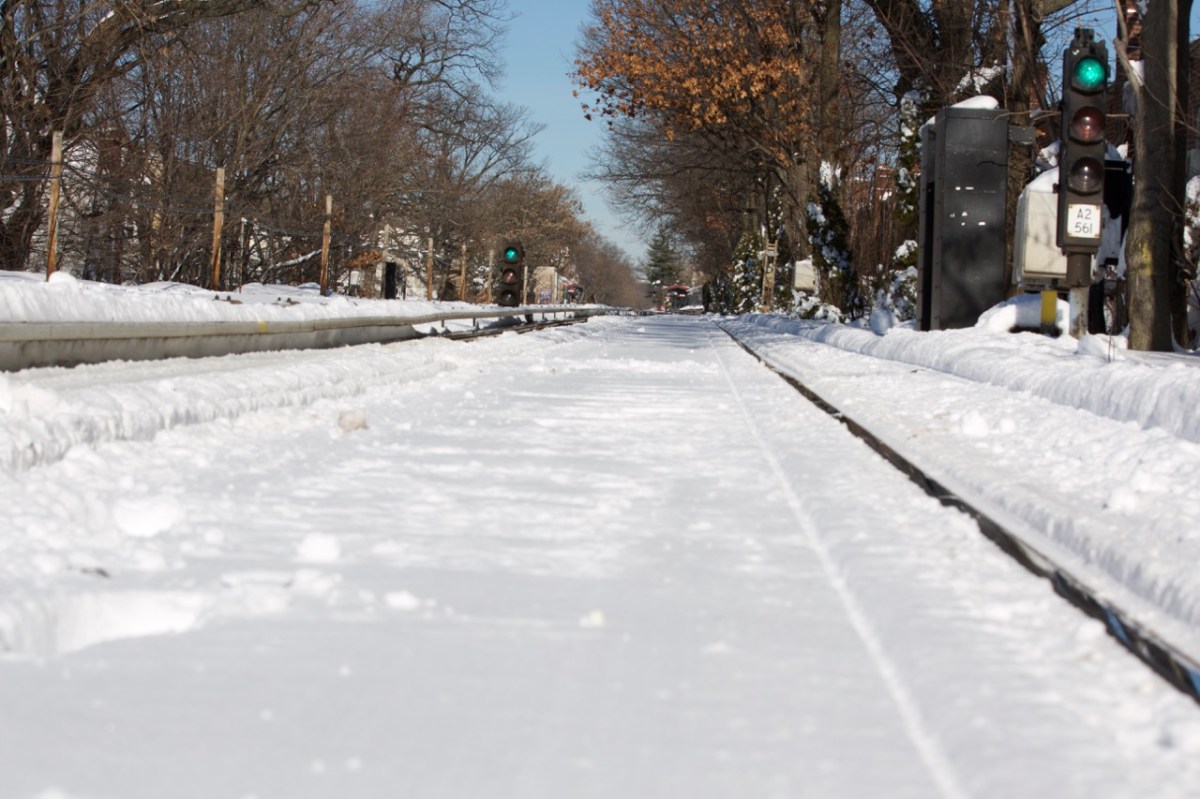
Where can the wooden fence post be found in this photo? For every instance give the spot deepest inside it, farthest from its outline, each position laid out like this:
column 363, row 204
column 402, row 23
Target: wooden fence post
column 462, row 278
column 490, row 272
column 56, row 154
column 218, row 224
column 429, row 277
column 325, row 244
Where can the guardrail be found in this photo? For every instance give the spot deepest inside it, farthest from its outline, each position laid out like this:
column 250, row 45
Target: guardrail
column 29, row 344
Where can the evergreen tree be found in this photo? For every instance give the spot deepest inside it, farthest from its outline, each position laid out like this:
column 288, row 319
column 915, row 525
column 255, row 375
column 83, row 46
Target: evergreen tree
column 746, row 283
column 829, row 232
column 894, row 287
column 908, row 179
column 662, row 261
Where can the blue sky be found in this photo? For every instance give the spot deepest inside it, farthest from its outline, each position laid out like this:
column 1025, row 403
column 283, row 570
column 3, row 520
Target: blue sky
column 538, row 53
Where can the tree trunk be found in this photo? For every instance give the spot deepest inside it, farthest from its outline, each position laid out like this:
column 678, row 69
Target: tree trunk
column 830, row 126
column 1155, row 229
column 1183, row 71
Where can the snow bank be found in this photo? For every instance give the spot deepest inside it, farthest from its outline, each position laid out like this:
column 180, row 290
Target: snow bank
column 1096, row 374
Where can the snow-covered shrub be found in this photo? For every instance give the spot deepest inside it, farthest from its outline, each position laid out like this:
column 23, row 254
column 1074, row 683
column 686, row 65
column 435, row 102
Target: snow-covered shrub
column 1191, row 252
column 828, row 233
column 811, row 307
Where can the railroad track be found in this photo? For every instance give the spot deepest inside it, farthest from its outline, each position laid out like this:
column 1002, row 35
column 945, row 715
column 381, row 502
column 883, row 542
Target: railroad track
column 1153, row 649
column 528, row 326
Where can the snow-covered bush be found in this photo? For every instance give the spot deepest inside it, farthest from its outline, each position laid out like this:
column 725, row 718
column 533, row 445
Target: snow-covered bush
column 811, row 307
column 1191, row 251
column 828, row 233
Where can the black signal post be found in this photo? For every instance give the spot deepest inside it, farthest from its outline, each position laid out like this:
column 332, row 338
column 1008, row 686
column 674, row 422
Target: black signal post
column 512, row 274
column 1081, row 159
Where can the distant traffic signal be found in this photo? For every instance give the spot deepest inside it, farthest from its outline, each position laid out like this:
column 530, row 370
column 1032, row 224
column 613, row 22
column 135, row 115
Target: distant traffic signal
column 512, row 274
column 1084, row 145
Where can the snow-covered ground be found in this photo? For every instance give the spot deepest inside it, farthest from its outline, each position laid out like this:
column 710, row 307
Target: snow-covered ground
column 29, row 297
column 615, row 559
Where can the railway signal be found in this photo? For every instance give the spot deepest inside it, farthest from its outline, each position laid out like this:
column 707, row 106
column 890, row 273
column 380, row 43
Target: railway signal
column 1084, row 146
column 512, row 274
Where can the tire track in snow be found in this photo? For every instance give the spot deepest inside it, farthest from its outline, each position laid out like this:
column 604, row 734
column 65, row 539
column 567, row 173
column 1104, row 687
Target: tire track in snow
column 931, row 753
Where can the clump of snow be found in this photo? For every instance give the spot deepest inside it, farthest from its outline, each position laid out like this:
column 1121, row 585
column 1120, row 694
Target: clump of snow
column 882, row 320
column 1024, row 311
column 315, row 583
column 349, row 421
column 975, row 424
column 319, row 548
column 593, row 620
column 146, row 517
column 976, row 80
column 402, row 600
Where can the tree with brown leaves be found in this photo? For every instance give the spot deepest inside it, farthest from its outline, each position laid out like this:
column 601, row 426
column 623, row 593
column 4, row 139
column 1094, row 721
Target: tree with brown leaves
column 739, row 75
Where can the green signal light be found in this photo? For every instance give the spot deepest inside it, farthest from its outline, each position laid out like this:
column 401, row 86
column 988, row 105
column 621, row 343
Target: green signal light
column 1089, row 74
column 512, row 253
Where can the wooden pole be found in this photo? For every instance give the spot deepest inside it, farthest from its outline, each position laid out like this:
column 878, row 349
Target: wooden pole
column 218, row 224
column 462, row 276
column 490, row 274
column 56, row 147
column 429, row 272
column 325, row 236
column 771, row 253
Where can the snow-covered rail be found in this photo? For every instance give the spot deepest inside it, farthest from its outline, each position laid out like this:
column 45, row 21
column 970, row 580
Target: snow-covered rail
column 28, row 344
column 1171, row 661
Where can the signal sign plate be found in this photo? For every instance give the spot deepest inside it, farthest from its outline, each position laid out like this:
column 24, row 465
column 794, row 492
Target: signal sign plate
column 1083, row 221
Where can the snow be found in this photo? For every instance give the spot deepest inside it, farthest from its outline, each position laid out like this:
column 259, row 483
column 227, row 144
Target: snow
column 29, row 297
column 615, row 558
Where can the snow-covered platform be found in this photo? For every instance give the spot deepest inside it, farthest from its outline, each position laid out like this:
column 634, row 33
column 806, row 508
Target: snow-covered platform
column 616, row 559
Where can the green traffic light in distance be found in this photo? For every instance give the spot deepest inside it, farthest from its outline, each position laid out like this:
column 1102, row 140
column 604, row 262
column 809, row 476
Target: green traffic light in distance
column 1089, row 74
column 510, row 254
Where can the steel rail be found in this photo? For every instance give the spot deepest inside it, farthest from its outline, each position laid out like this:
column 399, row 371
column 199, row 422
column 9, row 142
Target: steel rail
column 1167, row 660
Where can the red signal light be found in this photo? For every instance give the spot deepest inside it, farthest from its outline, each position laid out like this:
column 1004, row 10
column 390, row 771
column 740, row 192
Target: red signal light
column 1087, row 125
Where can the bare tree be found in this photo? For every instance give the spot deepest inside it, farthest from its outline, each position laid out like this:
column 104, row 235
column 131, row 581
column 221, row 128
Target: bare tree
column 606, row 274
column 54, row 60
